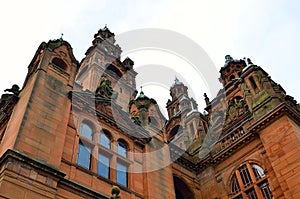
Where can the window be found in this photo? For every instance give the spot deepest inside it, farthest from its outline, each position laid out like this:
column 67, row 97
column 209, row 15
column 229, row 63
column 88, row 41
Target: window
column 245, row 175
column 250, row 181
column 258, row 171
column 122, row 148
column 105, row 139
column 122, row 173
column 84, row 155
column 253, row 84
column 265, row 190
column 86, row 131
column 235, row 187
column 103, row 164
column 174, row 111
column 251, row 194
column 96, row 155
column 60, row 63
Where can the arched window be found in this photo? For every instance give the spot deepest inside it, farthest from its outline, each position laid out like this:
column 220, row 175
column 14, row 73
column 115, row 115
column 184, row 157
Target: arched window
column 86, row 131
column 105, row 139
column 114, row 71
column 176, row 130
column 59, row 63
column 122, row 148
column 253, row 84
column 182, row 191
column 250, row 181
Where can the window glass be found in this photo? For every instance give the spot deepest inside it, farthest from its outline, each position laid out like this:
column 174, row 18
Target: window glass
column 122, row 148
column 251, row 194
column 86, row 131
column 245, row 175
column 258, row 171
column 103, row 165
column 104, row 140
column 235, row 187
column 84, row 156
column 122, row 174
column 265, row 190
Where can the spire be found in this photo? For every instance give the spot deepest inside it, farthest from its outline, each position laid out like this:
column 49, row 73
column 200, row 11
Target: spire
column 142, row 95
column 176, row 82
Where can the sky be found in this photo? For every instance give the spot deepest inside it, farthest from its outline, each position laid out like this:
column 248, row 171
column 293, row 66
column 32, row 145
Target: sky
column 265, row 31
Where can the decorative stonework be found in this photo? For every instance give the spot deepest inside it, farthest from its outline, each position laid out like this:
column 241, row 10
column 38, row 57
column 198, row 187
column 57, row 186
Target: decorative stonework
column 105, row 90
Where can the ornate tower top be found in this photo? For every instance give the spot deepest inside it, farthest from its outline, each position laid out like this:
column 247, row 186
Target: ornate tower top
column 105, row 34
column 231, row 70
column 177, row 89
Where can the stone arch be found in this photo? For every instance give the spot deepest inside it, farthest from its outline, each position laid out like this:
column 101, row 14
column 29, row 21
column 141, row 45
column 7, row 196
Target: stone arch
column 175, row 130
column 182, row 190
column 60, row 63
column 232, row 173
column 114, row 71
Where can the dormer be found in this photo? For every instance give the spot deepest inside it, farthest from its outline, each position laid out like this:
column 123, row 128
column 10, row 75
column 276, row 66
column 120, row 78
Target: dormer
column 145, row 111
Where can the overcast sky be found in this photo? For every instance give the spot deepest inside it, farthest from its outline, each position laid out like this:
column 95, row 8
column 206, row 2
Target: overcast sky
column 266, row 31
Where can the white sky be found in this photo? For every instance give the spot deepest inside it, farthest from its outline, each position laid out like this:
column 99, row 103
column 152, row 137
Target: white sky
column 266, row 31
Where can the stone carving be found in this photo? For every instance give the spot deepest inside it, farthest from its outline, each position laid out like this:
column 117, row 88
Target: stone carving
column 105, row 90
column 115, row 191
column 15, row 90
column 236, row 107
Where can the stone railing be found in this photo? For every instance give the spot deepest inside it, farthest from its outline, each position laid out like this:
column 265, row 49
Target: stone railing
column 231, row 138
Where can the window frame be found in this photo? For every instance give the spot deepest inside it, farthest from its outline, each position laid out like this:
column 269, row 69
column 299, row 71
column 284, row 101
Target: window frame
column 126, row 165
column 260, row 185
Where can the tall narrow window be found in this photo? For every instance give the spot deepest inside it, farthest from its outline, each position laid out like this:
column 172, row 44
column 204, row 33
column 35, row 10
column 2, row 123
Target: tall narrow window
column 86, row 131
column 122, row 148
column 122, row 173
column 103, row 164
column 245, row 175
column 105, row 139
column 84, row 155
column 265, row 190
column 235, row 187
column 253, row 84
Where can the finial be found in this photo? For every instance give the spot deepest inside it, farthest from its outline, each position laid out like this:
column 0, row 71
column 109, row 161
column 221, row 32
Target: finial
column 249, row 62
column 176, row 80
column 61, row 36
column 228, row 58
column 206, row 99
column 141, row 87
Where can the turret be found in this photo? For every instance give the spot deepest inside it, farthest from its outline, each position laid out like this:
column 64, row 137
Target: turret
column 103, row 58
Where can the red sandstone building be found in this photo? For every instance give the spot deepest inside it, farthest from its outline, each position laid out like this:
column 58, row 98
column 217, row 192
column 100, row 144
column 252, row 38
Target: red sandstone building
column 74, row 130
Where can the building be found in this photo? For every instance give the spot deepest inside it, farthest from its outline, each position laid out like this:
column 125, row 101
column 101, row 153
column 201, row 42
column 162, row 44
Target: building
column 75, row 130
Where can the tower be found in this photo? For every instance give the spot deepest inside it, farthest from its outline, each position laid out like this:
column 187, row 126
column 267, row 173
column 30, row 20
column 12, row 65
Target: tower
column 103, row 59
column 184, row 118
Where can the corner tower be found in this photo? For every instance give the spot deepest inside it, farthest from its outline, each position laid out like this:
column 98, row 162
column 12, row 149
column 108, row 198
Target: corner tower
column 39, row 119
